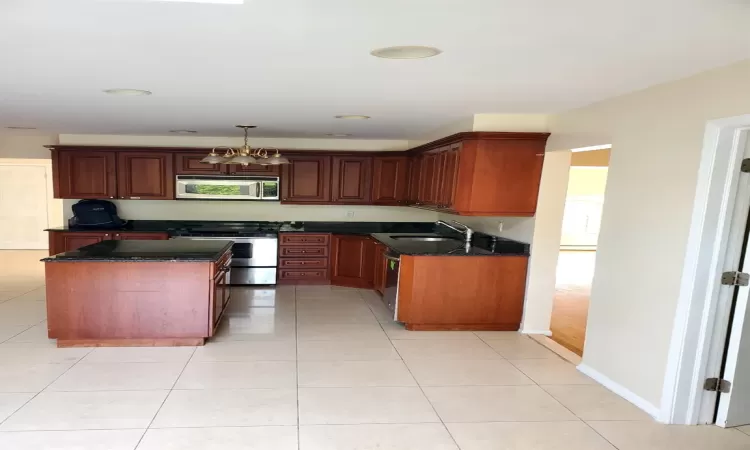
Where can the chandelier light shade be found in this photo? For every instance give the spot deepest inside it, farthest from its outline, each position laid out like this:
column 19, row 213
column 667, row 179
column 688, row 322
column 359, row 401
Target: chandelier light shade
column 245, row 155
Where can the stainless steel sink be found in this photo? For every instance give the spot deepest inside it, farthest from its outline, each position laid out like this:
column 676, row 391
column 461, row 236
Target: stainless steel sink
column 425, row 238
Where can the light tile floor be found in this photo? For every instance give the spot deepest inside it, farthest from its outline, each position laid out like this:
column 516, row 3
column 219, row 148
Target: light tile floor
column 310, row 368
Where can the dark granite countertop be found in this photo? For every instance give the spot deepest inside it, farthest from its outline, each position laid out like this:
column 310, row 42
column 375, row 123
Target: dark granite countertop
column 177, row 250
column 358, row 228
column 482, row 245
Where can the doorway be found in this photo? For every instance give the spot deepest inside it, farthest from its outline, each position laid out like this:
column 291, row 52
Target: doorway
column 576, row 261
column 26, row 204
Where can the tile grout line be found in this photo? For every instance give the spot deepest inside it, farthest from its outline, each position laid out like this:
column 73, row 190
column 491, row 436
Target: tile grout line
column 296, row 361
column 169, row 392
column 45, row 388
column 421, row 389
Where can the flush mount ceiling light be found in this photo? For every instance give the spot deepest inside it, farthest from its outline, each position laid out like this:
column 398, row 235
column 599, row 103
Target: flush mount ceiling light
column 338, row 134
column 183, row 131
column 216, row 2
column 406, row 52
column 352, row 117
column 127, row 92
column 245, row 155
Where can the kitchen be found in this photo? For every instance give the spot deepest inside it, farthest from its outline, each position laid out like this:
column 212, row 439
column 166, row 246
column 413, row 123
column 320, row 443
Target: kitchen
column 437, row 275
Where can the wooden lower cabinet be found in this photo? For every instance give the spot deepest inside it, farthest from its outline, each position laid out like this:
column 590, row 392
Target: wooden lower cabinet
column 303, row 258
column 380, row 268
column 352, row 259
column 220, row 297
column 462, row 292
column 66, row 241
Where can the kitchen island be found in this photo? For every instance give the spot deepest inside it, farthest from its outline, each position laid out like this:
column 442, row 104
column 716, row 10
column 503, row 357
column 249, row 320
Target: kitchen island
column 137, row 293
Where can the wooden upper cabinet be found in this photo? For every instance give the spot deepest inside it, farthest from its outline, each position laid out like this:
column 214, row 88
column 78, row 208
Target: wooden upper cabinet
column 428, row 174
column 448, row 176
column 352, row 179
column 254, row 169
column 84, row 174
column 190, row 164
column 306, row 180
column 414, row 179
column 352, row 260
column 145, row 176
column 390, row 180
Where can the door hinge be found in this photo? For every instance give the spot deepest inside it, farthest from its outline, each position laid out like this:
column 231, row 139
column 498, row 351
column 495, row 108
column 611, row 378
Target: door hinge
column 717, row 385
column 735, row 279
column 745, row 165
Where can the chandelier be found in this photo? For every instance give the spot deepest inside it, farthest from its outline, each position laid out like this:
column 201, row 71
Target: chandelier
column 245, row 155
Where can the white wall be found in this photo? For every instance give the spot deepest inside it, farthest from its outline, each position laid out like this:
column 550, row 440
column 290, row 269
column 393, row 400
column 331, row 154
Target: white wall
column 656, row 136
column 249, row 211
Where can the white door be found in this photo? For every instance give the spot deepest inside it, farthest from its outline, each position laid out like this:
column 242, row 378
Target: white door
column 734, row 407
column 23, row 207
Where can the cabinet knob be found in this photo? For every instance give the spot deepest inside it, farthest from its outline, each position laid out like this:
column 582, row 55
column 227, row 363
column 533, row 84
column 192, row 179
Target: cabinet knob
column 106, row 235
column 117, row 235
column 111, row 197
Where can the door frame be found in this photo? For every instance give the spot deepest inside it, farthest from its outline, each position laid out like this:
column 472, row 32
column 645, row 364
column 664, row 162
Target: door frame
column 700, row 325
column 55, row 214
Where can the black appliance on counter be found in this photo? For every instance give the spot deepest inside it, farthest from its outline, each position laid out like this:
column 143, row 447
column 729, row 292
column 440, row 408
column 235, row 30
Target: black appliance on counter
column 255, row 249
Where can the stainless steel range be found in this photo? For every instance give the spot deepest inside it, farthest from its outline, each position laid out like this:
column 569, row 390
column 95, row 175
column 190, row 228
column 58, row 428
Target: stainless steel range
column 255, row 249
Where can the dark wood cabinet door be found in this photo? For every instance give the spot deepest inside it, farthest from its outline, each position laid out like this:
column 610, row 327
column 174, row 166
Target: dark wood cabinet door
column 446, row 186
column 352, row 179
column 218, row 299
column 85, row 174
column 306, row 180
column 380, row 267
column 414, row 180
column 254, row 169
column 60, row 242
column 190, row 164
column 145, row 176
column 390, row 180
column 352, row 261
column 427, row 179
column 140, row 236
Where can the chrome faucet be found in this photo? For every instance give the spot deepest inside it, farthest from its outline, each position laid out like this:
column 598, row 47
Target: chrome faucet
column 466, row 230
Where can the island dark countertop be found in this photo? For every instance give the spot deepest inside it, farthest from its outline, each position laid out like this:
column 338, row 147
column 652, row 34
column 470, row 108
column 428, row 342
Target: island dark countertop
column 136, row 250
column 483, row 245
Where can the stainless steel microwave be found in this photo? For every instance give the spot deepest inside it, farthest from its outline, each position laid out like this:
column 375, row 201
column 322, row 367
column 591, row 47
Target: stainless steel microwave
column 206, row 187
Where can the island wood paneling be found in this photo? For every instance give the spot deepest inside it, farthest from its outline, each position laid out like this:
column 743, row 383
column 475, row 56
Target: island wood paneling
column 100, row 302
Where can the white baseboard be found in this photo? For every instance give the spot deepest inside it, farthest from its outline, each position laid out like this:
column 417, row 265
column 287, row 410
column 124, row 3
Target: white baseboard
column 620, row 390
column 544, row 332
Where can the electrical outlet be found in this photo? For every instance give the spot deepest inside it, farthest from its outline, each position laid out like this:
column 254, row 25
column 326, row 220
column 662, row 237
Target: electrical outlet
column 499, row 227
column 350, row 214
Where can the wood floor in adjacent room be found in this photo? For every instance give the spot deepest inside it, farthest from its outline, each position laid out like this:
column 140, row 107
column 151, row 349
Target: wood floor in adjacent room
column 575, row 270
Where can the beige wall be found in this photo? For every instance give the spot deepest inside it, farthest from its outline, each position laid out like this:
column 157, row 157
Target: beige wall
column 213, row 141
column 247, row 211
column 25, row 146
column 656, row 136
column 587, row 181
column 597, row 158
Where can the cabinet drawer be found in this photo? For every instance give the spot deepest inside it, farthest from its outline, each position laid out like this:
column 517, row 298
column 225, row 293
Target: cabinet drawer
column 305, row 239
column 303, row 252
column 303, row 263
column 303, row 274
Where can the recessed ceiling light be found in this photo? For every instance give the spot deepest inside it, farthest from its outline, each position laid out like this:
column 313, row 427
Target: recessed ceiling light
column 21, row 128
column 338, row 134
column 406, row 52
column 220, row 2
column 352, row 117
column 183, row 131
column 129, row 92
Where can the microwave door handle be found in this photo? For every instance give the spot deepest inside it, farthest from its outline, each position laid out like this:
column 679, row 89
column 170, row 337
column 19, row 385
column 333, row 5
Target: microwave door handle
column 257, row 189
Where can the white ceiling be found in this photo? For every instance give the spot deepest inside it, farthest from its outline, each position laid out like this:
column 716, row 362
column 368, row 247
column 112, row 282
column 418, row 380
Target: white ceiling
column 289, row 66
